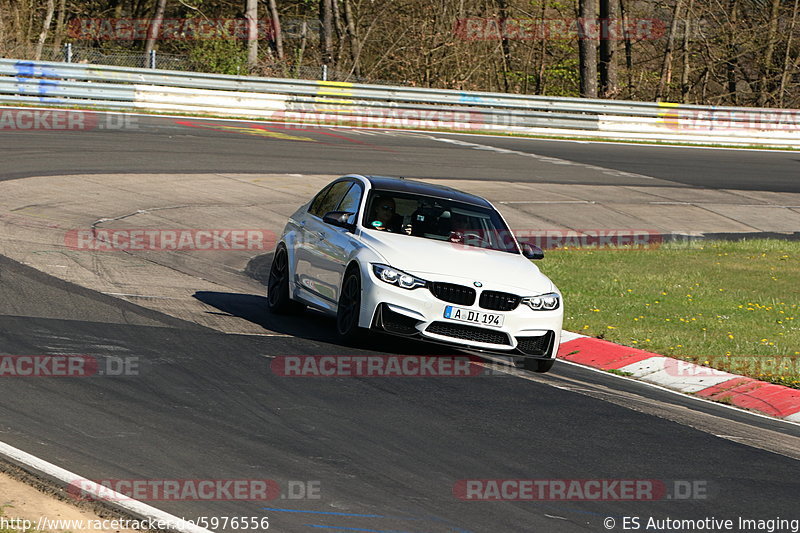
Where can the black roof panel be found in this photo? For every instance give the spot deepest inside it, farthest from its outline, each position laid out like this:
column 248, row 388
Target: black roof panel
column 385, row 183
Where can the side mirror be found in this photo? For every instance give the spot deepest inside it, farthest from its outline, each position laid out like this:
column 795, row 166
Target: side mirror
column 532, row 252
column 339, row 219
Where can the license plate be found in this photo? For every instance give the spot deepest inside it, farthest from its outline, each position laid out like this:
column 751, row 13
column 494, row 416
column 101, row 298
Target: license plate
column 473, row 317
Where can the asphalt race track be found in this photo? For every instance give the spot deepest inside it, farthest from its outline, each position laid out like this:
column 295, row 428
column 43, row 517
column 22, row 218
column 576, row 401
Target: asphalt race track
column 384, row 453
column 149, row 144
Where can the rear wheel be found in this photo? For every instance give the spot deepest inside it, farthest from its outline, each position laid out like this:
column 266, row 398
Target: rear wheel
column 278, row 299
column 349, row 309
column 538, row 365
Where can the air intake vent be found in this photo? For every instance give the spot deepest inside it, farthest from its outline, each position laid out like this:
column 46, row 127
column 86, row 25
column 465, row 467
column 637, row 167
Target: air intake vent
column 455, row 294
column 469, row 333
column 499, row 301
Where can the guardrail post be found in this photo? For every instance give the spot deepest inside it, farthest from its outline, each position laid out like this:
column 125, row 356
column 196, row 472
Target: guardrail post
column 68, row 53
column 152, row 59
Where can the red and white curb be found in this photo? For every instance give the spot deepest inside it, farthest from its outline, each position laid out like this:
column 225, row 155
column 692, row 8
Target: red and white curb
column 704, row 382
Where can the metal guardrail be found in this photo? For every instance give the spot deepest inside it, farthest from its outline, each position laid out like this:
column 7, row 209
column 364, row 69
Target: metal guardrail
column 318, row 102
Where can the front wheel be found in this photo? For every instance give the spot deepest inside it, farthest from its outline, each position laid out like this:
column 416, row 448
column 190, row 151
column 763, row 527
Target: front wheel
column 278, row 300
column 349, row 309
column 538, row 365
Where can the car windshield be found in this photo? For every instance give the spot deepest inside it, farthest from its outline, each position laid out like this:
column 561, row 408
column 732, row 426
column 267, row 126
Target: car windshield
column 438, row 219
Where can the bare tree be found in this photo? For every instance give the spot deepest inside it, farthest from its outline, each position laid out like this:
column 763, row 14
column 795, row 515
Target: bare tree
column 155, row 28
column 352, row 35
column 732, row 59
column 48, row 18
column 326, row 19
column 251, row 15
column 687, row 30
column 609, row 22
column 587, row 48
column 59, row 32
column 628, row 47
column 505, row 46
column 766, row 83
column 787, row 57
column 666, row 66
column 277, row 34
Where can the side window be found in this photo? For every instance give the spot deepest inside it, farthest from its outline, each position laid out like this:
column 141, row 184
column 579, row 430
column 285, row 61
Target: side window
column 350, row 202
column 329, row 198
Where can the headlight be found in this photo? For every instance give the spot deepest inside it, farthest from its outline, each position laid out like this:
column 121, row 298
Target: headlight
column 543, row 302
column 397, row 277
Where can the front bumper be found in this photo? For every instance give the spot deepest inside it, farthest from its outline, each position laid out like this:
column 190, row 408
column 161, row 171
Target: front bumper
column 418, row 313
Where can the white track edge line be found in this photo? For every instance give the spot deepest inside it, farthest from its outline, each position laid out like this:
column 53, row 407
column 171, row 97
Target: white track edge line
column 136, row 508
column 429, row 132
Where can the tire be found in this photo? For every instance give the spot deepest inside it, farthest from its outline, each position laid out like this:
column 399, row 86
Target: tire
column 538, row 365
column 349, row 308
column 278, row 299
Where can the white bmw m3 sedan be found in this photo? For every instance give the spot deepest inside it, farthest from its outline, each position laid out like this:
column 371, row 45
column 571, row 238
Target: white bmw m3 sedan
column 418, row 260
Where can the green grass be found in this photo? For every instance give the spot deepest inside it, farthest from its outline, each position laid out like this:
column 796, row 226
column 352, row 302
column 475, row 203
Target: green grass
column 11, row 519
column 731, row 305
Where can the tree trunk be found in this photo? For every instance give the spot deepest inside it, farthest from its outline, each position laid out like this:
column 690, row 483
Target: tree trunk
column 541, row 82
column 666, row 66
column 338, row 27
column 326, row 39
column 766, row 83
column 731, row 63
column 628, row 48
column 62, row 13
column 152, row 32
column 301, row 51
column 787, row 56
column 251, row 14
column 355, row 46
column 587, row 49
column 48, row 18
column 504, row 44
column 687, row 30
column 609, row 23
column 277, row 34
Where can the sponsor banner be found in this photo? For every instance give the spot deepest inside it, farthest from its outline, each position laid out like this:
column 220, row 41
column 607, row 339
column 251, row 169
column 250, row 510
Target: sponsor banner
column 114, row 240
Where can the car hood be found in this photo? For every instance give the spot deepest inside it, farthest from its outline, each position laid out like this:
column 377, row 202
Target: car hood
column 439, row 261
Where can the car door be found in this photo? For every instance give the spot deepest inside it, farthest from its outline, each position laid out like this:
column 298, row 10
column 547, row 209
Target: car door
column 309, row 232
column 313, row 251
column 336, row 244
